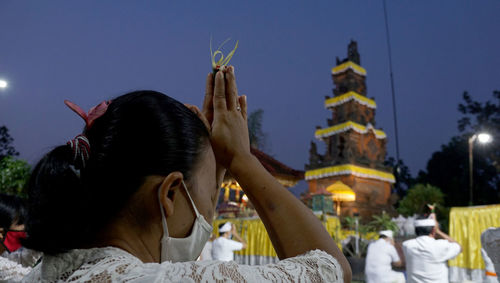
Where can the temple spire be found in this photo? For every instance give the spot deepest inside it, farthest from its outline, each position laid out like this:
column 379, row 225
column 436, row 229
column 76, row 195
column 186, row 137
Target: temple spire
column 352, row 52
column 355, row 149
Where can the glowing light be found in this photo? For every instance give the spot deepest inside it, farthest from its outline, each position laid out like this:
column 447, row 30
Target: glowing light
column 484, row 138
column 3, row 84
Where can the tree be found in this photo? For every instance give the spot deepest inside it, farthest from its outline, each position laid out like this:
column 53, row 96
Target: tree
column 6, row 148
column 258, row 138
column 401, row 172
column 14, row 174
column 482, row 117
column 418, row 197
column 383, row 222
column 448, row 168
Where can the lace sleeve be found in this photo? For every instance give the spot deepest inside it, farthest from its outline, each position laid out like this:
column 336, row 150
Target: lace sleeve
column 11, row 271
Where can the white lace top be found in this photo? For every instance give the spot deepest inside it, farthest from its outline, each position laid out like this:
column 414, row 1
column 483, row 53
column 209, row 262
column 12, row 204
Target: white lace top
column 11, row 271
column 14, row 266
column 115, row 265
column 23, row 256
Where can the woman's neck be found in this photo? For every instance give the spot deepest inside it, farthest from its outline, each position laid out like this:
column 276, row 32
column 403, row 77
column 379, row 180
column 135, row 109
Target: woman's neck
column 145, row 245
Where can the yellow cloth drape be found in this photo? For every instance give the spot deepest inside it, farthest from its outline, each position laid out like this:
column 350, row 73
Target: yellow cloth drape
column 466, row 226
column 258, row 242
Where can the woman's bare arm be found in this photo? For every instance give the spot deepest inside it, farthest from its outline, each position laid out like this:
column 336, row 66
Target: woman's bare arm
column 292, row 227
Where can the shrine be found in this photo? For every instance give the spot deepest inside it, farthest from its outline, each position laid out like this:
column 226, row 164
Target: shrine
column 352, row 169
column 234, row 203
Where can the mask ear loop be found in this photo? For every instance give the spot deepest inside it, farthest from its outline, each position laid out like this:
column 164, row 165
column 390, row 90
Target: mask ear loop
column 200, row 217
column 163, row 217
column 192, row 202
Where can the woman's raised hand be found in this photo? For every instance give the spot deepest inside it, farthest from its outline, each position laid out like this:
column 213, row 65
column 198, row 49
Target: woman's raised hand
column 292, row 227
column 227, row 114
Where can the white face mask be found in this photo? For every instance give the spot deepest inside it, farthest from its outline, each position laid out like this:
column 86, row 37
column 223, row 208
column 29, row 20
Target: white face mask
column 189, row 248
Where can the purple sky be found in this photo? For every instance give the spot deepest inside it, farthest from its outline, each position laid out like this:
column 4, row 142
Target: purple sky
column 88, row 51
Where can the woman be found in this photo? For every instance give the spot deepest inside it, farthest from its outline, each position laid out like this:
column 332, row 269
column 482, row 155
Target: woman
column 15, row 261
column 130, row 198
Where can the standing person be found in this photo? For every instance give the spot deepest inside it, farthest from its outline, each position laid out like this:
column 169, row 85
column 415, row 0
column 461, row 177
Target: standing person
column 426, row 257
column 223, row 247
column 380, row 257
column 206, row 253
column 130, row 199
column 15, row 261
column 490, row 250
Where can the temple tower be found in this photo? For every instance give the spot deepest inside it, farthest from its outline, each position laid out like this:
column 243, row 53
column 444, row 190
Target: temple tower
column 355, row 149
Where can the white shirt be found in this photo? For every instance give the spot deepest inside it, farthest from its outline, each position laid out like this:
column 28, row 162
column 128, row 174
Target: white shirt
column 25, row 257
column 116, row 265
column 379, row 257
column 11, row 271
column 206, row 253
column 14, row 266
column 222, row 249
column 426, row 259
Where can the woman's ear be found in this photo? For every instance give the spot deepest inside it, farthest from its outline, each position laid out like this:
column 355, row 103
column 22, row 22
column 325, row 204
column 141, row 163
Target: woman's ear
column 168, row 191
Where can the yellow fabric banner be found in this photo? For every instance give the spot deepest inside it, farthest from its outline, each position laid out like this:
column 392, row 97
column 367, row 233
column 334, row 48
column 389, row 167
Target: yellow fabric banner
column 255, row 234
column 466, row 226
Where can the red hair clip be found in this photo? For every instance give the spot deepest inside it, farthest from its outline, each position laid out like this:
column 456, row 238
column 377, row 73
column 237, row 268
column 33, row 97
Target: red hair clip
column 80, row 145
column 94, row 113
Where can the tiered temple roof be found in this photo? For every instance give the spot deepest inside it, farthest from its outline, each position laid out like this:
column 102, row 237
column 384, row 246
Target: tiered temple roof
column 355, row 149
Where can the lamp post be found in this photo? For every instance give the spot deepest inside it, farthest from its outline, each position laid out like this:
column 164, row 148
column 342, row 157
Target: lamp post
column 482, row 138
column 356, row 215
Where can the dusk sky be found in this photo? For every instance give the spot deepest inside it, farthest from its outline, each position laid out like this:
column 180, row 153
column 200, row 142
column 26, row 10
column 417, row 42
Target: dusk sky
column 89, row 51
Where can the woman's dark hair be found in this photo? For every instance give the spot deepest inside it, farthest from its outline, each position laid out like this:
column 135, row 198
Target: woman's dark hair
column 142, row 133
column 12, row 211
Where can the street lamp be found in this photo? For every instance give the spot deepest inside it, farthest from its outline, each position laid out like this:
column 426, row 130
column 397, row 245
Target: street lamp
column 482, row 138
column 3, row 84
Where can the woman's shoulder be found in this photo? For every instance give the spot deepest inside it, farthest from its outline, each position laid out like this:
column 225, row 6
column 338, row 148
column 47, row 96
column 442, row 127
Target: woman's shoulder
column 112, row 264
column 78, row 264
column 11, row 271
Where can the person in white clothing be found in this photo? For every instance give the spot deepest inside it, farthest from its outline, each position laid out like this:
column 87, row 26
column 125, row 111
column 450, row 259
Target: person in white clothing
column 206, row 253
column 426, row 257
column 223, row 247
column 380, row 257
